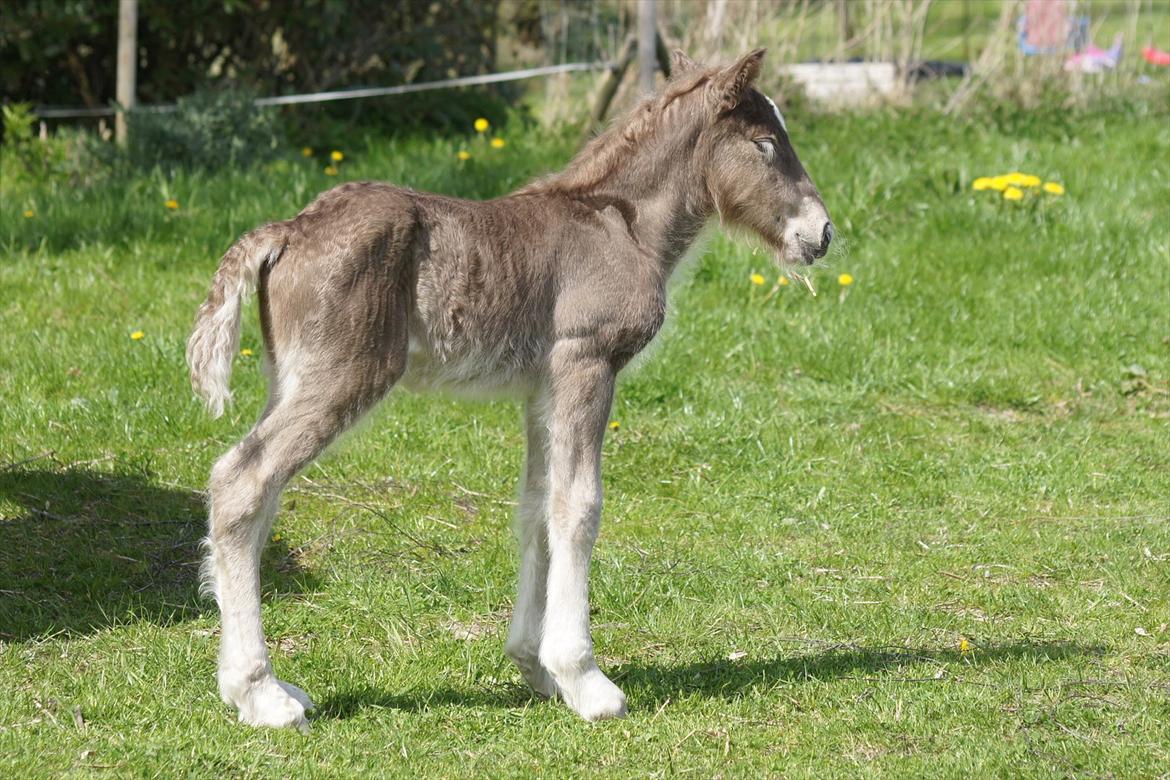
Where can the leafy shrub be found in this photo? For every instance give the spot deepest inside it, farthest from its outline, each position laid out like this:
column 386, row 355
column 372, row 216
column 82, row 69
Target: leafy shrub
column 65, row 51
column 18, row 122
column 28, row 156
column 210, row 129
column 420, row 113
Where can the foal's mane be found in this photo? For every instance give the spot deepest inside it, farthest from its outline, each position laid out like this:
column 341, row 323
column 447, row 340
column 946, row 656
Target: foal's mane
column 602, row 156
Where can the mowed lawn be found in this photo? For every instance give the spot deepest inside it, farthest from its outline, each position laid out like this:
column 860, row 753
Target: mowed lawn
column 919, row 525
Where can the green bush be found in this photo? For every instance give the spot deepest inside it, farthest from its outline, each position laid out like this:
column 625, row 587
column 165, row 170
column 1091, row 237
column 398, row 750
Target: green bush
column 210, row 129
column 26, row 156
column 65, row 51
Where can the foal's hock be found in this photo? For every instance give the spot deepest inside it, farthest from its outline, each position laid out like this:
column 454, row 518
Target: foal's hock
column 545, row 294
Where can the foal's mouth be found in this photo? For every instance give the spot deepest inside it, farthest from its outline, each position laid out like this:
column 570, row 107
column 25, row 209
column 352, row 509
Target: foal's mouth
column 794, row 266
column 809, row 254
column 804, row 255
column 788, row 250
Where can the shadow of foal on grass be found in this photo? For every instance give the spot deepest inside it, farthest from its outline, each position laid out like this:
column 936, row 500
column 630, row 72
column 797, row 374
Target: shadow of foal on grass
column 81, row 550
column 348, row 703
column 722, row 677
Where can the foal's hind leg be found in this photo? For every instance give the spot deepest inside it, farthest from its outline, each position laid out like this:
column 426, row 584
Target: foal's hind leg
column 311, row 408
column 245, row 492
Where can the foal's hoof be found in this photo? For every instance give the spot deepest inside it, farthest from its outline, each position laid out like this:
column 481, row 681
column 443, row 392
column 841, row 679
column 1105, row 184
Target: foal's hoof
column 596, row 698
column 276, row 704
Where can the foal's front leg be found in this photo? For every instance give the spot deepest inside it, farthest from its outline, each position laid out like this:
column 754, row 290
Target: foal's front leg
column 579, row 396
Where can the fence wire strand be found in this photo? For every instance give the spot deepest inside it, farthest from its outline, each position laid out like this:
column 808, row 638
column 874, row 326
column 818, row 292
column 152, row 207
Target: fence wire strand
column 348, row 94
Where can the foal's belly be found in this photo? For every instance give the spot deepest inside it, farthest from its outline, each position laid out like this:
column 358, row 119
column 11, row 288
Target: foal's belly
column 477, row 329
column 469, row 371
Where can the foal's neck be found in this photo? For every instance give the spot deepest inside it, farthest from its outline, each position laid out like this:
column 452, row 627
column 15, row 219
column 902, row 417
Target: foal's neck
column 655, row 181
column 668, row 203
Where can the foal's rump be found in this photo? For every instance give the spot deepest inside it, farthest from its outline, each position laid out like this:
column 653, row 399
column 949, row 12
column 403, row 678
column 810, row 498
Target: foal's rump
column 334, row 287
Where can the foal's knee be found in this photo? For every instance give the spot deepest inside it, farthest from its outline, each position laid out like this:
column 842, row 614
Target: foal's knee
column 237, row 492
column 575, row 516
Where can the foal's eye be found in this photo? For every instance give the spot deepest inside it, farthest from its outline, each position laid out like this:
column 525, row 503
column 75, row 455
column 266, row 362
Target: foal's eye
column 767, row 146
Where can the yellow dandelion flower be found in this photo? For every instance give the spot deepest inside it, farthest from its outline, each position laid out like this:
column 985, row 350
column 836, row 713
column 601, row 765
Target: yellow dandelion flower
column 845, row 280
column 982, row 183
column 757, row 279
column 29, row 213
column 246, row 352
column 306, row 151
column 782, row 281
column 999, row 183
column 1013, row 193
column 614, row 425
column 498, row 143
column 1015, row 178
column 336, row 156
column 330, row 170
column 463, row 155
column 1053, row 188
column 171, row 204
column 276, row 537
column 137, row 335
column 482, row 125
column 1030, row 181
column 964, row 646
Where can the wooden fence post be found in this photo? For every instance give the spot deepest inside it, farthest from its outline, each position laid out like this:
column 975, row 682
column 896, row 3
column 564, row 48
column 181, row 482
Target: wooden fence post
column 609, row 87
column 662, row 53
column 647, row 33
column 127, row 64
column 615, row 74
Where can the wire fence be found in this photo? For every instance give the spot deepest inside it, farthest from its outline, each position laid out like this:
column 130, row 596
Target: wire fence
column 879, row 49
column 349, row 94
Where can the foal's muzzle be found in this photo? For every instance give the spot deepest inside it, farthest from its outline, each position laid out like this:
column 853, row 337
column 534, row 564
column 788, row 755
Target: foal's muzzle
column 813, row 250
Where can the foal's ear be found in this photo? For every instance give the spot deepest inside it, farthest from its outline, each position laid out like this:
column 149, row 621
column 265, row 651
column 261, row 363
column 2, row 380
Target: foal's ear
column 680, row 62
column 732, row 82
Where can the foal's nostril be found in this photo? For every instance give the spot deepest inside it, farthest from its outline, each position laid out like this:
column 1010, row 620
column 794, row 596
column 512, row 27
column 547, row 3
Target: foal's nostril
column 826, row 237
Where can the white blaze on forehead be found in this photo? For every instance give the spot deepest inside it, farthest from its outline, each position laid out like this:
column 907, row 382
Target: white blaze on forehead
column 779, row 116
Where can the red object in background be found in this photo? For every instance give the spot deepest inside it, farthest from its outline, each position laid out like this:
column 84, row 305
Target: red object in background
column 1156, row 56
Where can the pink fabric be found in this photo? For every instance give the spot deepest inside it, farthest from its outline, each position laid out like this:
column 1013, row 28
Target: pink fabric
column 1046, row 23
column 1094, row 59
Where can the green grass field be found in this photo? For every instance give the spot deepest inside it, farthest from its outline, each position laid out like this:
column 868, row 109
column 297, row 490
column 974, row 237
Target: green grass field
column 917, row 526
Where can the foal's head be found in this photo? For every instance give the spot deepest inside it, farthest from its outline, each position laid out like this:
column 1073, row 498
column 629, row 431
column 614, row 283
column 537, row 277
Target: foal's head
column 751, row 171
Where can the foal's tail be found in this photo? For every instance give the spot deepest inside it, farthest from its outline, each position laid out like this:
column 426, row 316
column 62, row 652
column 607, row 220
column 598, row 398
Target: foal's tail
column 216, row 337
